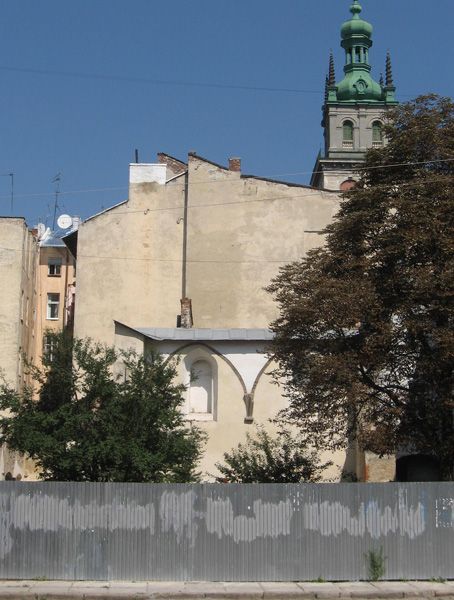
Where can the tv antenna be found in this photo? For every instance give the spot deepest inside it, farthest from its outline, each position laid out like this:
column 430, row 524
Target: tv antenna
column 56, row 180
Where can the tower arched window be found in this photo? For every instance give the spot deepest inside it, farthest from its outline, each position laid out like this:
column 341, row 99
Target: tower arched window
column 377, row 134
column 347, row 134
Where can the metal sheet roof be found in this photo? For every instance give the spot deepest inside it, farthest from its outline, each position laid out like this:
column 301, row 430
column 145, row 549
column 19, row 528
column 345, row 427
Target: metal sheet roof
column 194, row 334
column 52, row 242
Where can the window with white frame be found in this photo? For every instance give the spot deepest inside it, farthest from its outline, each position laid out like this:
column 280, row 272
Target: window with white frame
column 54, row 267
column 49, row 347
column 53, row 306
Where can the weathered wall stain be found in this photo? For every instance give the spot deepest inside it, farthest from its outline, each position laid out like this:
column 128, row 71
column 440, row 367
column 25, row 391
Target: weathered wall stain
column 268, row 520
column 176, row 513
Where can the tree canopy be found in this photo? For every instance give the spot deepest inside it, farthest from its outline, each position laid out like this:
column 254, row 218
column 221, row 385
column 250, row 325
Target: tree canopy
column 365, row 337
column 83, row 422
column 282, row 458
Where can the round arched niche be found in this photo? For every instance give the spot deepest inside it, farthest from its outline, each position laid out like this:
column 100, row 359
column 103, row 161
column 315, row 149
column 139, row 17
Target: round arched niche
column 200, row 374
column 347, row 185
column 200, row 390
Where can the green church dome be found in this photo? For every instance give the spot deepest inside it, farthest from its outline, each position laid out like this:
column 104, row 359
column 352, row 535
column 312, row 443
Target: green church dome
column 359, row 86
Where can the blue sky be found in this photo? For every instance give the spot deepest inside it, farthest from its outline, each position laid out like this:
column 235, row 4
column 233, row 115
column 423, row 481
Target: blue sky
column 55, row 118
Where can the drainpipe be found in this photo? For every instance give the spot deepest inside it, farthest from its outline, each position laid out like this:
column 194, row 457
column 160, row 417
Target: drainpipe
column 185, row 235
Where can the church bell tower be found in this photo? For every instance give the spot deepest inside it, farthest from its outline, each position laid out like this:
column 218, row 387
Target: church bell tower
column 353, row 109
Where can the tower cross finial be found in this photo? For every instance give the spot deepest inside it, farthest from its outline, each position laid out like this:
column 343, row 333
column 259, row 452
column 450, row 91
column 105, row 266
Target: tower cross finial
column 355, row 9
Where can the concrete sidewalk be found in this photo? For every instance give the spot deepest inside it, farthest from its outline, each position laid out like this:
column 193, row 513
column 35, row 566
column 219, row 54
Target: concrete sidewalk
column 111, row 590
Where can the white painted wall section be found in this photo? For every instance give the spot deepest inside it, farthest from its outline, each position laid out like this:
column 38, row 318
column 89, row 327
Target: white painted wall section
column 147, row 173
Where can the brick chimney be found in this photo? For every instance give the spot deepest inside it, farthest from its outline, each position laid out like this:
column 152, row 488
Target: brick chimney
column 186, row 313
column 235, row 164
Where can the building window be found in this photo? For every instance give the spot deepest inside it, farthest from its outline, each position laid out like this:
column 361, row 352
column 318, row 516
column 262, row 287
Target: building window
column 49, row 347
column 377, row 134
column 347, row 134
column 54, row 267
column 201, row 389
column 53, row 305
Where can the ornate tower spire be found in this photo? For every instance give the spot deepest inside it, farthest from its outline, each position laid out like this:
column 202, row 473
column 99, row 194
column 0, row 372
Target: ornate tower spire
column 389, row 71
column 354, row 106
column 357, row 86
column 332, row 72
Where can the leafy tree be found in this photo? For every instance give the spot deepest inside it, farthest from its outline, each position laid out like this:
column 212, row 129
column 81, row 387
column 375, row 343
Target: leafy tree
column 81, row 422
column 365, row 336
column 268, row 459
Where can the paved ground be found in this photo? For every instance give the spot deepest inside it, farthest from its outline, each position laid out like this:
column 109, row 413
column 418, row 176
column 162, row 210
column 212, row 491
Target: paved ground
column 112, row 590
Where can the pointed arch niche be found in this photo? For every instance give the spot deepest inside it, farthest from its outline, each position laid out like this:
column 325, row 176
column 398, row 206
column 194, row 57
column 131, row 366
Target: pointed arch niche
column 246, row 363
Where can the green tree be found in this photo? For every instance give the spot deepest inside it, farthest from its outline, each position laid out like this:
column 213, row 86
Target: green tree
column 365, row 336
column 81, row 422
column 282, row 458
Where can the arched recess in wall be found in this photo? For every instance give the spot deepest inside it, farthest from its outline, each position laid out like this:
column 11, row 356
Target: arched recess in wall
column 203, row 351
column 347, row 185
column 201, row 385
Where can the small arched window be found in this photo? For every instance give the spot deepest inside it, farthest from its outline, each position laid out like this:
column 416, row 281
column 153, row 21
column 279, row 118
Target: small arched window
column 347, row 134
column 377, row 133
column 201, row 388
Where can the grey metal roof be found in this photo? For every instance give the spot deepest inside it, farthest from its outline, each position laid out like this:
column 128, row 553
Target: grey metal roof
column 52, row 242
column 194, row 334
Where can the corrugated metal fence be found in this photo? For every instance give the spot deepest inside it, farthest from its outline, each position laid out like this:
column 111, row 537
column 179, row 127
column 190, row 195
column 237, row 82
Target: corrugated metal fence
column 225, row 532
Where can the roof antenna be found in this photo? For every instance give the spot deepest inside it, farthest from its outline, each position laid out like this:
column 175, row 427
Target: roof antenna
column 56, row 180
column 137, row 155
column 12, row 191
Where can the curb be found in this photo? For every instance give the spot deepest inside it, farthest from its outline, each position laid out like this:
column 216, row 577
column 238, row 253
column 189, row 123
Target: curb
column 110, row 590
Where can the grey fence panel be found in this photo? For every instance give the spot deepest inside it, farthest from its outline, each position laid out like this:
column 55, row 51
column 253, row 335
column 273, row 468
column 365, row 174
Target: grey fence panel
column 225, row 532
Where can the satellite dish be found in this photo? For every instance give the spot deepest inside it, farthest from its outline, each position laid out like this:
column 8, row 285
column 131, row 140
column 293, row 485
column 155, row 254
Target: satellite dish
column 64, row 221
column 41, row 230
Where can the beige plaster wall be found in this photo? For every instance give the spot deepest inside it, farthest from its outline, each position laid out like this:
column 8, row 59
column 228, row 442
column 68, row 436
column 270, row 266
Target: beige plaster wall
column 18, row 261
column 239, row 231
column 129, row 263
column 18, row 255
